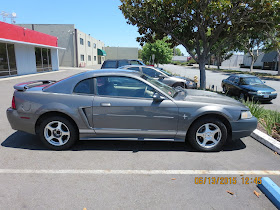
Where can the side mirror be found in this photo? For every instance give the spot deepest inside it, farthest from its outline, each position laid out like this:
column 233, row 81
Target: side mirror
column 161, row 76
column 158, row 98
column 264, row 81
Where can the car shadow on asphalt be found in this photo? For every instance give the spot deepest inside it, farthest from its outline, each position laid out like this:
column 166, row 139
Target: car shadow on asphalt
column 22, row 140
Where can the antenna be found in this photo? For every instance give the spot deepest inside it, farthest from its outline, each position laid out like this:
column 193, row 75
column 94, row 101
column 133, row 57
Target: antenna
column 13, row 16
column 6, row 15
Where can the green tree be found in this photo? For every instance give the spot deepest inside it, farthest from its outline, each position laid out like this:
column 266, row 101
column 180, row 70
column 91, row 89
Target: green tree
column 196, row 24
column 140, row 54
column 177, row 52
column 160, row 48
column 273, row 34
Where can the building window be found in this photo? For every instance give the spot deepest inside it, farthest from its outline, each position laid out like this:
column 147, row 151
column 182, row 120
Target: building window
column 43, row 59
column 81, row 41
column 94, row 45
column 89, row 58
column 7, row 60
column 94, row 58
column 88, row 43
column 82, row 58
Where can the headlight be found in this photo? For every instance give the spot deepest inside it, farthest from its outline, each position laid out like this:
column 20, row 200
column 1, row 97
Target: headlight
column 274, row 92
column 259, row 92
column 246, row 115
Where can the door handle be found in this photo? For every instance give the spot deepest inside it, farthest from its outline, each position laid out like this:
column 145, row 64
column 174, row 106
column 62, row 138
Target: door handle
column 105, row 104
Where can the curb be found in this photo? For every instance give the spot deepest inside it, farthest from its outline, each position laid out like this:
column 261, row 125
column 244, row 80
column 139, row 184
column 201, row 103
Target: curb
column 271, row 190
column 265, row 139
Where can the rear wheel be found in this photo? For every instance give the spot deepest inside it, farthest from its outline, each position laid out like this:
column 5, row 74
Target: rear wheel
column 242, row 97
column 208, row 134
column 179, row 85
column 57, row 133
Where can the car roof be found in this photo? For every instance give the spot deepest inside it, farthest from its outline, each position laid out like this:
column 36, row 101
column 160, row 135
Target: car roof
column 244, row 75
column 121, row 60
column 134, row 65
column 67, row 84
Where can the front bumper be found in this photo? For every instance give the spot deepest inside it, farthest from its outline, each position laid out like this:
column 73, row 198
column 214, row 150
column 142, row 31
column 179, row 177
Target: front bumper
column 263, row 97
column 243, row 127
column 18, row 123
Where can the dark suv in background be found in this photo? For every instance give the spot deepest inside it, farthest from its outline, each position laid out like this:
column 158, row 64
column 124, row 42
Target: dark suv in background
column 113, row 64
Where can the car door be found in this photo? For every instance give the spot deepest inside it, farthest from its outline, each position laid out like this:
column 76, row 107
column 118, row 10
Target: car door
column 235, row 86
column 125, row 108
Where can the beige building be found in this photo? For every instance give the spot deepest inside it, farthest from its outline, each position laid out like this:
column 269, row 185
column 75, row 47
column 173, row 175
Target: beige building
column 121, row 53
column 81, row 49
column 90, row 51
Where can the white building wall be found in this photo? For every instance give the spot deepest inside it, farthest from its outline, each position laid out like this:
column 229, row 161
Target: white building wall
column 233, row 61
column 54, row 59
column 25, row 59
column 86, row 50
column 121, row 53
column 247, row 60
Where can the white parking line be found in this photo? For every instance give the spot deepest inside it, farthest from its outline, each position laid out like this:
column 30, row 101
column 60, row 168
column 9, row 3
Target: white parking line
column 139, row 172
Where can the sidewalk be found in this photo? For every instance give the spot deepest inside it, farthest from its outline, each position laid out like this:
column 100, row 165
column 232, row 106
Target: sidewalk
column 239, row 69
column 87, row 68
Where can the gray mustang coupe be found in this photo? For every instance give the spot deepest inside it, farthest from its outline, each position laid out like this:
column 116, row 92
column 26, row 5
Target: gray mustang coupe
column 125, row 105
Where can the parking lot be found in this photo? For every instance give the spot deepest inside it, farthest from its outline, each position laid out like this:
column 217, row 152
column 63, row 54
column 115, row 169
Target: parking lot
column 126, row 175
column 215, row 78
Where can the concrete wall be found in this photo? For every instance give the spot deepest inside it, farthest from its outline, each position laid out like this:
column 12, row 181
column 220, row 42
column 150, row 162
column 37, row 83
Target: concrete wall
column 121, row 53
column 55, row 59
column 233, row 61
column 25, row 59
column 180, row 58
column 247, row 60
column 66, row 39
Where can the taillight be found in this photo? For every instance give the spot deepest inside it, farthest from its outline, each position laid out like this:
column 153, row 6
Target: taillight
column 13, row 103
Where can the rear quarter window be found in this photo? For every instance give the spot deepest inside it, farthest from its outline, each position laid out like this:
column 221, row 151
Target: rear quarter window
column 84, row 87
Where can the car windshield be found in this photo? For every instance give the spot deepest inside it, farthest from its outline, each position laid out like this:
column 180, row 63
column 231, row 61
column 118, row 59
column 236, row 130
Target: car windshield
column 165, row 72
column 250, row 81
column 165, row 88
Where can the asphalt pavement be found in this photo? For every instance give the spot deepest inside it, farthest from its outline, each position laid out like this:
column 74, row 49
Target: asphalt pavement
column 126, row 175
column 215, row 78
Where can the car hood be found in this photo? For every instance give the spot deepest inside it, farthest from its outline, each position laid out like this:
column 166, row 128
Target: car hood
column 183, row 78
column 260, row 87
column 200, row 96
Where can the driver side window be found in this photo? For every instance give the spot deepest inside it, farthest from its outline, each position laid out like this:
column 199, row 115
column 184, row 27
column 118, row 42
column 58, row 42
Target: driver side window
column 123, row 87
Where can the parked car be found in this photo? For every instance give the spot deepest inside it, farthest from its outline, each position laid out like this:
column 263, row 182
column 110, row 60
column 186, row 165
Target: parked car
column 248, row 87
column 113, row 64
column 125, row 105
column 160, row 75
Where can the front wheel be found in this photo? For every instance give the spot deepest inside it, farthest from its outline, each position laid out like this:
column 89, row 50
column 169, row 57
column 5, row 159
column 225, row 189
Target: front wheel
column 57, row 133
column 208, row 134
column 242, row 97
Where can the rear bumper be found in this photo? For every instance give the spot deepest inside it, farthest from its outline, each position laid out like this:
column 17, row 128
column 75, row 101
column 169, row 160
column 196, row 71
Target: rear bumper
column 19, row 123
column 243, row 128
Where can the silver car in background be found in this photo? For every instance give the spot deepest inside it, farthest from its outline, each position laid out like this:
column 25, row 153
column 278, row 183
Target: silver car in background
column 162, row 76
column 125, row 105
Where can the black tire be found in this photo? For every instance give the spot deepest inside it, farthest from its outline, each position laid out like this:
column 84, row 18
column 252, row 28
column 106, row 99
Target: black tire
column 243, row 96
column 179, row 85
column 60, row 125
column 197, row 141
column 225, row 90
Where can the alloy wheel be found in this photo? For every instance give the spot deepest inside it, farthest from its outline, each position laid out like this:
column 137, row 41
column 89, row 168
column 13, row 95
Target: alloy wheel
column 56, row 133
column 208, row 135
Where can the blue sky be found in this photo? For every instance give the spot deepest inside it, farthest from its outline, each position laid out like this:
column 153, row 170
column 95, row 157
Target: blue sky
column 102, row 19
